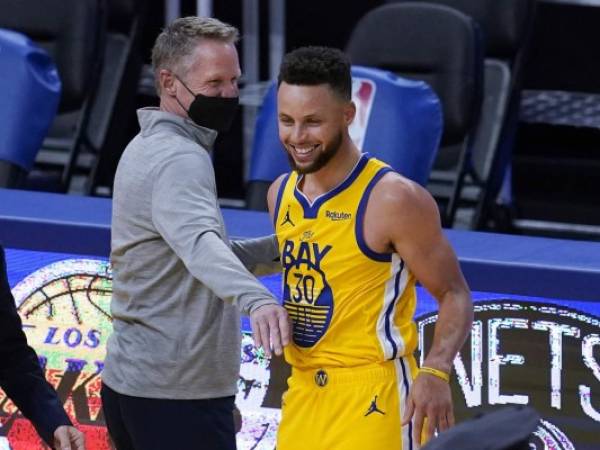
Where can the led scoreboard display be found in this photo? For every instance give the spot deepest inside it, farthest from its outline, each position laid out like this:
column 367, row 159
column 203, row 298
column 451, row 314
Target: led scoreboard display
column 522, row 350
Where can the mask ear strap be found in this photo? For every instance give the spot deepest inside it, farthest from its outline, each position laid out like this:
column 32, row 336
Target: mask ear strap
column 189, row 90
column 184, row 85
column 182, row 107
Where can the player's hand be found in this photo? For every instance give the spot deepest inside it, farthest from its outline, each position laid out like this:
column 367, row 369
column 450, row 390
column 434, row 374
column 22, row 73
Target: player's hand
column 429, row 400
column 270, row 327
column 68, row 438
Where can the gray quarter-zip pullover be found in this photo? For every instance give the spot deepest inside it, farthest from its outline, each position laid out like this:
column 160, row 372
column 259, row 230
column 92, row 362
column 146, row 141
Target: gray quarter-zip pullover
column 178, row 286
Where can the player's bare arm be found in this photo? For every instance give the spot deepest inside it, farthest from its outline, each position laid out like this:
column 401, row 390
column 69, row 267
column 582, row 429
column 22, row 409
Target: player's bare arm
column 402, row 217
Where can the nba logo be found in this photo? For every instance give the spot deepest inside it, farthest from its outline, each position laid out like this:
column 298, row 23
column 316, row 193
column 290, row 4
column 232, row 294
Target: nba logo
column 363, row 94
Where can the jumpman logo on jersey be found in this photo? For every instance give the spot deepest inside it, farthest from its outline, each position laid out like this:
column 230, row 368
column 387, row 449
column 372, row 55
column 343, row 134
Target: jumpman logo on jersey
column 373, row 408
column 287, row 218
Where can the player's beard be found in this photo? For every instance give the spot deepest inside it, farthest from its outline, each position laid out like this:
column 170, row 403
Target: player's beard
column 322, row 158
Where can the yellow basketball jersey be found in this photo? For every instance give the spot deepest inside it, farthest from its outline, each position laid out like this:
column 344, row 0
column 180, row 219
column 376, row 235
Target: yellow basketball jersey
column 350, row 305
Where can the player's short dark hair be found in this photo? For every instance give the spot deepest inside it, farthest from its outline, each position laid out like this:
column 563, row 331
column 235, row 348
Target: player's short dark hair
column 311, row 66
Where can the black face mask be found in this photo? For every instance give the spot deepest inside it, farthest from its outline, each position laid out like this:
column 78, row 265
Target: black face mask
column 216, row 113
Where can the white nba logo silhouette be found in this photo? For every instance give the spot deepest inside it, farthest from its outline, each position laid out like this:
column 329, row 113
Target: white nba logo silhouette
column 363, row 94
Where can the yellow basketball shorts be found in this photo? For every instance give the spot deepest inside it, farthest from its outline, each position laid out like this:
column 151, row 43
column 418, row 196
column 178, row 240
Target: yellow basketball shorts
column 358, row 408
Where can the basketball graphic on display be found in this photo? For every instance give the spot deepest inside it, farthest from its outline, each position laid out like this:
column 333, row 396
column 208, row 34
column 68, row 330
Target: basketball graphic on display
column 65, row 309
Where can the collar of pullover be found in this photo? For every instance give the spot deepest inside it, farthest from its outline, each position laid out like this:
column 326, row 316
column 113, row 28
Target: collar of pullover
column 153, row 119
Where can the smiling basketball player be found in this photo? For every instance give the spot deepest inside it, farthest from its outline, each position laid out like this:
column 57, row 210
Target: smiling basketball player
column 354, row 238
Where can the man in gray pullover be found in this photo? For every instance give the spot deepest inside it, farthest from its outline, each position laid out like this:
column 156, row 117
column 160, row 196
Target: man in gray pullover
column 172, row 363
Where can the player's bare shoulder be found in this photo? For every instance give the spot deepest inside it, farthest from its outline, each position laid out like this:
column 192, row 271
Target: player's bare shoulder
column 399, row 208
column 395, row 193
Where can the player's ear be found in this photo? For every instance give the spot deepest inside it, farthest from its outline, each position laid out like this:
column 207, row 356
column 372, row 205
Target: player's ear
column 349, row 112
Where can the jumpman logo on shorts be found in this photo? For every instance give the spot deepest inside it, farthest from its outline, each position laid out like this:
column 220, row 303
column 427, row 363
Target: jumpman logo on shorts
column 287, row 218
column 373, row 408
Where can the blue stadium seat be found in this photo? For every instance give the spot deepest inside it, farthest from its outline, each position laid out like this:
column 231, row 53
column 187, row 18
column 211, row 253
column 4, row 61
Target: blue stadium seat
column 73, row 34
column 28, row 105
column 398, row 121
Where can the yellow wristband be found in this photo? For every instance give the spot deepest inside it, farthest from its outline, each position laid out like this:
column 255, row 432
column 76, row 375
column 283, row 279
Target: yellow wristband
column 436, row 373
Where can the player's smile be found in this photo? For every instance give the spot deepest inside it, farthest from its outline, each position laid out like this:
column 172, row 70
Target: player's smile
column 304, row 152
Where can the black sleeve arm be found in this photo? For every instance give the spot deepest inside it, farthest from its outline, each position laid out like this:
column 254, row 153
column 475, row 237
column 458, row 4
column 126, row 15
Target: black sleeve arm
column 20, row 374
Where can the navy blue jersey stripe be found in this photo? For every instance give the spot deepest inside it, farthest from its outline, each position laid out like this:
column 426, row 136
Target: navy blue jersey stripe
column 359, row 226
column 388, row 313
column 278, row 201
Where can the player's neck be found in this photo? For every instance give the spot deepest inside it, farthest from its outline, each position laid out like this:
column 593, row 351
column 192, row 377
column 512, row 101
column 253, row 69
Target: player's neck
column 333, row 173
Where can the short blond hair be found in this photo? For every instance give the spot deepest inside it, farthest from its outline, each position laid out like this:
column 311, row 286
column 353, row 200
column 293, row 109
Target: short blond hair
column 179, row 39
